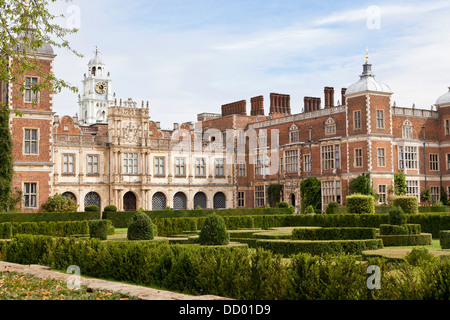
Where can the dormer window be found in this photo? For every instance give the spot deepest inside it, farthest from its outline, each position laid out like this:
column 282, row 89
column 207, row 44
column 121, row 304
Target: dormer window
column 407, row 132
column 293, row 134
column 330, row 126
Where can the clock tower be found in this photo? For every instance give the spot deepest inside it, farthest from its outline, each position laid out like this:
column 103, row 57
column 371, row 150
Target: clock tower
column 97, row 94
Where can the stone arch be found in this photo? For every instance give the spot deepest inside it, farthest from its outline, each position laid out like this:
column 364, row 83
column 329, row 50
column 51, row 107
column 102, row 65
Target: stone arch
column 70, row 195
column 159, row 201
column 129, row 201
column 219, row 200
column 92, row 198
column 179, row 201
column 200, row 200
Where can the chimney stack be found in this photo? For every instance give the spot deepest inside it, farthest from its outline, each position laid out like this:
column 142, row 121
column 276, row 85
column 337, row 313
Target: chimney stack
column 343, row 90
column 329, row 97
column 238, row 107
column 280, row 104
column 257, row 106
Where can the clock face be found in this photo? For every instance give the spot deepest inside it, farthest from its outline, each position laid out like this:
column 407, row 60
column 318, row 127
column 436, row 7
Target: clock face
column 100, row 87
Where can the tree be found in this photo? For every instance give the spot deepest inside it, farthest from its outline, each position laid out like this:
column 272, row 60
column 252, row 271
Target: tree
column 400, row 186
column 27, row 26
column 363, row 185
column 274, row 194
column 6, row 160
column 426, row 196
column 310, row 191
column 59, row 203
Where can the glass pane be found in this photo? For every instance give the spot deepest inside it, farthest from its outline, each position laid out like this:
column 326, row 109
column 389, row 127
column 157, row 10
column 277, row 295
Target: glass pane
column 33, row 134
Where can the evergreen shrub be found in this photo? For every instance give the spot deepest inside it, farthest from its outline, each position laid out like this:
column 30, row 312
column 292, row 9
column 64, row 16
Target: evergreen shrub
column 213, row 231
column 100, row 229
column 92, row 208
column 396, row 216
column 332, row 207
column 409, row 204
column 140, row 228
column 444, row 239
column 360, row 204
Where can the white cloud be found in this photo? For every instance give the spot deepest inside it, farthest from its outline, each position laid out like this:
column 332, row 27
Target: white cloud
column 185, row 72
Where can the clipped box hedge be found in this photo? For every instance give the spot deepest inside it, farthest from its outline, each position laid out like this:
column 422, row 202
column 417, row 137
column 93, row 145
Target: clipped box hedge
column 390, row 229
column 423, row 239
column 409, row 204
column 48, row 216
column 444, row 239
column 57, row 229
column 360, row 204
column 319, row 247
column 122, row 218
column 337, row 233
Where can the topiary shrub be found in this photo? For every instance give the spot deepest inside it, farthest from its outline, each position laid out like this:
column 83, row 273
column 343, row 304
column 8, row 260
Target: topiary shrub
column 310, row 209
column 444, row 239
column 409, row 204
column 283, row 204
column 397, row 216
column 110, row 208
column 360, row 204
column 140, row 227
column 99, row 229
column 91, row 208
column 331, row 207
column 213, row 231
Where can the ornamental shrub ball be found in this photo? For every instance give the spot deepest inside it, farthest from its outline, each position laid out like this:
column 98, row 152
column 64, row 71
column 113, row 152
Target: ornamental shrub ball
column 331, row 207
column 213, row 231
column 110, row 208
column 91, row 208
column 310, row 209
column 140, row 228
column 397, row 216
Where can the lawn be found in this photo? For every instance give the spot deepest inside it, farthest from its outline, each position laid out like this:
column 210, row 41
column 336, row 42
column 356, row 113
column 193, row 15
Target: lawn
column 17, row 286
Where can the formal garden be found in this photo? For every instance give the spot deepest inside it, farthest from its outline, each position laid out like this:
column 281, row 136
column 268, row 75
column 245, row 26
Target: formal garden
column 262, row 253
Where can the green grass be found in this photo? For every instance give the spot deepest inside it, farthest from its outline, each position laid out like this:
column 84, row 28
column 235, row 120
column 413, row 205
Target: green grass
column 17, row 286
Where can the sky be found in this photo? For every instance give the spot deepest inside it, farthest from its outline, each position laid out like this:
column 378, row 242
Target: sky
column 191, row 56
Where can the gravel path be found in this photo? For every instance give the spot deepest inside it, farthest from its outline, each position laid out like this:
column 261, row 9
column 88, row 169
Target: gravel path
column 142, row 293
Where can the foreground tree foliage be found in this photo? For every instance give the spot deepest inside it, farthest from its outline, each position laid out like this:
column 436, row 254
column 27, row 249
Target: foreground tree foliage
column 25, row 27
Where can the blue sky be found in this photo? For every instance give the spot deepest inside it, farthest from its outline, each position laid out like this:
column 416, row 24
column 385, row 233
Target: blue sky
column 192, row 56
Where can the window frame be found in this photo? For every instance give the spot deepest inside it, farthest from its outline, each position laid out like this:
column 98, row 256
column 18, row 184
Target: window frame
column 159, row 164
column 29, row 91
column 357, row 122
column 30, row 194
column 68, row 166
column 91, row 165
column 30, row 140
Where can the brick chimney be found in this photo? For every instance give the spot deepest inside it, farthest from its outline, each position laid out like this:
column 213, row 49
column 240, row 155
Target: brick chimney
column 329, row 97
column 238, row 107
column 257, row 106
column 280, row 104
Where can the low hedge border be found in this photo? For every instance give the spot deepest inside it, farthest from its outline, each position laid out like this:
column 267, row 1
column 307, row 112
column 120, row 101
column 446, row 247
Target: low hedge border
column 390, row 229
column 48, row 216
column 320, row 247
column 344, row 233
column 423, row 239
column 121, row 219
column 429, row 222
column 93, row 228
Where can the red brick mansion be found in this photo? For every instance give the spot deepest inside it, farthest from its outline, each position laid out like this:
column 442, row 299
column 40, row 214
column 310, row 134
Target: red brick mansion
column 112, row 153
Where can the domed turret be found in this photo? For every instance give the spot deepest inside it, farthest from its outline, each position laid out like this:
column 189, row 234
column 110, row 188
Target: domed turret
column 444, row 99
column 367, row 82
column 96, row 66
